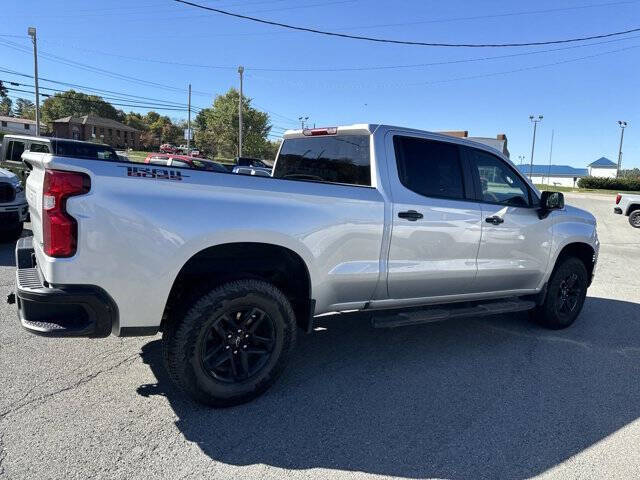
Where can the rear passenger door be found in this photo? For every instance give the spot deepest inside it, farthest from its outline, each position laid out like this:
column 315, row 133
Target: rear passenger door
column 516, row 243
column 436, row 220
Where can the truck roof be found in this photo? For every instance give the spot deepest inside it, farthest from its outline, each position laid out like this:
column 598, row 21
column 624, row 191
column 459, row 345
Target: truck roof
column 369, row 128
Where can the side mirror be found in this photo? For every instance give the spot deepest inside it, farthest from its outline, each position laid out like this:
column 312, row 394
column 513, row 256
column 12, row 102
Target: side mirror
column 550, row 201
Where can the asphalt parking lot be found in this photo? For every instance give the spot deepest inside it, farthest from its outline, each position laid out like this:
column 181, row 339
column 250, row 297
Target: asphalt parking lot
column 489, row 398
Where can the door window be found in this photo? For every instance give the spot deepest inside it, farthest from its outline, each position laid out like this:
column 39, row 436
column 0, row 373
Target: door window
column 498, row 182
column 429, row 167
column 14, row 151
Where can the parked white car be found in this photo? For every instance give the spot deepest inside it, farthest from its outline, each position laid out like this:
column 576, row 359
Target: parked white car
column 629, row 205
column 360, row 217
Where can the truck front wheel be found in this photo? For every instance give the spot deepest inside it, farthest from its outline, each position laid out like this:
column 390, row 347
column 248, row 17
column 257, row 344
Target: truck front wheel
column 566, row 291
column 231, row 344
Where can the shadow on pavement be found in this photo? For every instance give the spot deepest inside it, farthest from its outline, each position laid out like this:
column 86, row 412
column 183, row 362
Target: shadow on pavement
column 490, row 398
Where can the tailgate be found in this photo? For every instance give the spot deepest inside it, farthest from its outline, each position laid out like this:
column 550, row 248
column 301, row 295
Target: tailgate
column 33, row 190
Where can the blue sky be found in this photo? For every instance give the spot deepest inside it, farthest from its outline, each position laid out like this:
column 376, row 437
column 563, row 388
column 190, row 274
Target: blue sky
column 581, row 98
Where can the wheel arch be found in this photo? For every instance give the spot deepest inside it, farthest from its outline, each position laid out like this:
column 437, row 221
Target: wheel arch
column 632, row 207
column 581, row 250
column 225, row 262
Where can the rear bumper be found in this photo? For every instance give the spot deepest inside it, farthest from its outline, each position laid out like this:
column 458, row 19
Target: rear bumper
column 61, row 310
column 617, row 210
column 11, row 215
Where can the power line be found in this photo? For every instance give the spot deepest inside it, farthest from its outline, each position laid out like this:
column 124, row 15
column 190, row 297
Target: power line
column 346, row 69
column 86, row 100
column 456, row 79
column 403, row 42
column 110, row 99
column 96, row 90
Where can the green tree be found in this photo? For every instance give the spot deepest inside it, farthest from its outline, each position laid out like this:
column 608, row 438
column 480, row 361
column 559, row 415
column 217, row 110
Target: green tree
column 3, row 90
column 217, row 128
column 5, row 106
column 136, row 120
column 77, row 104
column 25, row 109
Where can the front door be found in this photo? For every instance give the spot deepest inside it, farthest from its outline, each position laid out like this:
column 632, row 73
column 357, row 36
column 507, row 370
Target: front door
column 516, row 243
column 436, row 221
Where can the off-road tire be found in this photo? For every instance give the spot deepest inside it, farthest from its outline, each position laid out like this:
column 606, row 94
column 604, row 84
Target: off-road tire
column 568, row 281
column 183, row 339
column 634, row 218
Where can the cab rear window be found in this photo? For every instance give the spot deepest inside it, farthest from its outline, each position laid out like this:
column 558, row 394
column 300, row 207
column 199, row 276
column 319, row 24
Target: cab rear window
column 84, row 150
column 341, row 159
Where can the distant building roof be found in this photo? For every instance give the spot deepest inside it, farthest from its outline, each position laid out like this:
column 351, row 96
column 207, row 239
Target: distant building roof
column 603, row 162
column 93, row 120
column 554, row 170
column 17, row 120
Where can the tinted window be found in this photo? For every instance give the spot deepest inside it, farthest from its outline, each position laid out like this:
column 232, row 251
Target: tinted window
column 39, row 148
column 179, row 163
column 334, row 159
column 208, row 165
column 159, row 160
column 429, row 167
column 14, row 151
column 499, row 183
column 85, row 150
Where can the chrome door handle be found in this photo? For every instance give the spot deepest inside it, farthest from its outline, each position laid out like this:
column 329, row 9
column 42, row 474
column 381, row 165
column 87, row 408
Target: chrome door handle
column 496, row 220
column 410, row 215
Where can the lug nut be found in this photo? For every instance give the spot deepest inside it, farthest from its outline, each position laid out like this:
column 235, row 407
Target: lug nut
column 244, row 346
column 227, row 347
column 239, row 331
column 235, row 351
column 246, row 336
column 229, row 336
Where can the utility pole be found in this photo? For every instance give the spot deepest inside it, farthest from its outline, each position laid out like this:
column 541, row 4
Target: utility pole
column 550, row 155
column 521, row 158
column 31, row 31
column 302, row 120
column 240, row 71
column 189, row 123
column 533, row 144
column 622, row 125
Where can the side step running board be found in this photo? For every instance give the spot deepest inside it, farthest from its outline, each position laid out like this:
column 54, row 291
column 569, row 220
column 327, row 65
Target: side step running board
column 453, row 310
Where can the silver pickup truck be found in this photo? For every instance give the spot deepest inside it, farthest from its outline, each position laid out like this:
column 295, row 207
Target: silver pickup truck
column 408, row 225
column 629, row 205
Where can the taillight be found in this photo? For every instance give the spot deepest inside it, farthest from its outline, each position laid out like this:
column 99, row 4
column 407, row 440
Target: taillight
column 618, row 198
column 312, row 132
column 59, row 229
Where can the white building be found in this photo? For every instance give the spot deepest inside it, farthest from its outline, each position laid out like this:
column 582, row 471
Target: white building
column 20, row 126
column 603, row 167
column 554, row 175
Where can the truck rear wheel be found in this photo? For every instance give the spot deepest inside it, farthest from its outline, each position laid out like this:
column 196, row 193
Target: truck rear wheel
column 231, row 344
column 565, row 296
column 634, row 218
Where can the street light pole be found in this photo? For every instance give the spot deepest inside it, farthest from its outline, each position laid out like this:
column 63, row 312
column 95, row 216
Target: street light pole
column 302, row 120
column 189, row 123
column 521, row 158
column 533, row 144
column 622, row 125
column 32, row 33
column 240, row 71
